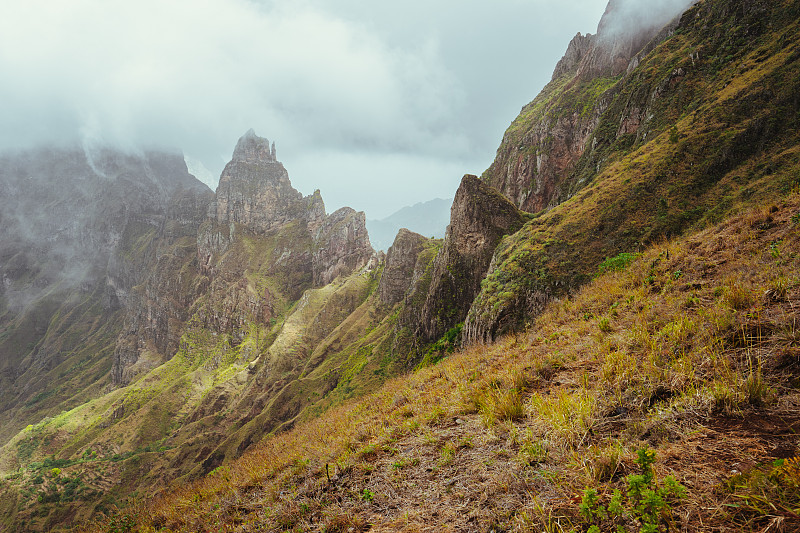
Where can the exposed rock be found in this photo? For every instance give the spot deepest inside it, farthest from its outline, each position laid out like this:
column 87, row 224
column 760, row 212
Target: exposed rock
column 399, row 269
column 666, row 154
column 624, row 30
column 535, row 163
column 114, row 222
column 254, row 190
column 577, row 49
column 213, row 240
column 253, row 149
column 289, row 238
column 480, row 217
column 342, row 245
column 315, row 212
column 256, row 193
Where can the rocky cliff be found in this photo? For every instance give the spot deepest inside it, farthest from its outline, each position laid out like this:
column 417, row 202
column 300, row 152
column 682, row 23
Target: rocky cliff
column 401, row 262
column 291, row 241
column 238, row 320
column 254, row 188
column 167, row 307
column 535, row 162
column 703, row 120
column 341, row 246
column 479, row 218
column 83, row 228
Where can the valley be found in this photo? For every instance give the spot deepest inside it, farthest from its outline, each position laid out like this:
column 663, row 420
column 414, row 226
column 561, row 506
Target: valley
column 604, row 339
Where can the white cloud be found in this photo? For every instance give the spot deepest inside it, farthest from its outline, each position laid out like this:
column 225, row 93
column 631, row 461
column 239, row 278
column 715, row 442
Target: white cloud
column 420, row 91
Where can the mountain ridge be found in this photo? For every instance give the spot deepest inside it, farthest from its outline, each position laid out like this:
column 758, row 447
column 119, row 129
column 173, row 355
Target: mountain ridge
column 252, row 315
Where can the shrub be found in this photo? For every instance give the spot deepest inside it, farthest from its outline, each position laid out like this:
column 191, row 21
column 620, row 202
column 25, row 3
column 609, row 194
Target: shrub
column 645, row 501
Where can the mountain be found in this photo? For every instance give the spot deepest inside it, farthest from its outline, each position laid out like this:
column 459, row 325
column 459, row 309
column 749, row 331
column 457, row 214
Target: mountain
column 81, row 230
column 701, row 123
column 626, row 275
column 603, row 339
column 167, row 329
column 427, row 218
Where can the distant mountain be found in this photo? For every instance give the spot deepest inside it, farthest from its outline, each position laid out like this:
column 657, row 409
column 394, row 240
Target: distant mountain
column 426, row 218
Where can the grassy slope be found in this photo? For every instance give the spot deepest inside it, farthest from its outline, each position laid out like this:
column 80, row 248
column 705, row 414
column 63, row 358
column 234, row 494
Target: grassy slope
column 735, row 142
column 75, row 334
column 216, row 396
column 692, row 350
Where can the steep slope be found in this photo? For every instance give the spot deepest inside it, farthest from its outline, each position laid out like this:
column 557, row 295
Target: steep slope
column 535, row 162
column 255, row 311
column 701, row 125
column 479, row 218
column 81, row 230
column 676, row 379
column 273, row 312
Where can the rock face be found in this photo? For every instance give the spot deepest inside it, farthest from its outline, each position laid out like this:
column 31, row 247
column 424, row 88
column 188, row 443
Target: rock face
column 660, row 156
column 255, row 191
column 290, row 237
column 479, row 218
column 342, row 245
column 254, row 188
column 578, row 47
column 535, row 163
column 88, row 233
column 398, row 271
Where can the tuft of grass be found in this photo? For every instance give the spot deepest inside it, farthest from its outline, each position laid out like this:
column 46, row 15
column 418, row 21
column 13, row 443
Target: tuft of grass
column 568, row 416
column 617, row 263
column 734, row 391
column 764, row 496
column 738, row 295
column 501, row 404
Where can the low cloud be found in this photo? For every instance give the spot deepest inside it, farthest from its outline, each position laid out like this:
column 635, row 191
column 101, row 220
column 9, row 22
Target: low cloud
column 420, row 90
column 164, row 72
column 629, row 15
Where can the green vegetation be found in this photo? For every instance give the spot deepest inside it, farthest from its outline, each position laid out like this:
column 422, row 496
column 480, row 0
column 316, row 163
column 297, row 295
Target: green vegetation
column 647, row 502
column 604, row 359
column 449, row 342
column 763, row 492
column 613, row 429
column 617, row 263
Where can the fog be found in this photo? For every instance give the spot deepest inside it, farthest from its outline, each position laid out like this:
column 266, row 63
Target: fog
column 378, row 105
column 625, row 15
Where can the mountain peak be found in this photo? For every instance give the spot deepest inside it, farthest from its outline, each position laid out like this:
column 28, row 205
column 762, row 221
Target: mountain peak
column 253, row 148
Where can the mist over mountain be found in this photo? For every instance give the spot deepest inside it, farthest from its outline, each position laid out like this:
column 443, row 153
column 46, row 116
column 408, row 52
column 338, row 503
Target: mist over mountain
column 619, row 285
column 350, row 91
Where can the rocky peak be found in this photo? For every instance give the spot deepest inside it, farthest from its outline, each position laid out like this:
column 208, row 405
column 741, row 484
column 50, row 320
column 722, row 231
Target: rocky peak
column 479, row 218
column 342, row 245
column 254, row 188
column 624, row 29
column 316, row 212
column 253, row 148
column 578, row 47
column 398, row 271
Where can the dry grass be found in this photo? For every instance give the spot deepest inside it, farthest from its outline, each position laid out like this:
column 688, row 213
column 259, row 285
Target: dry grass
column 704, row 366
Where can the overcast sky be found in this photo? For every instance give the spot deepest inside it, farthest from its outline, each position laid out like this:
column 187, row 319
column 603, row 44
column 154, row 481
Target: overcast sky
column 378, row 104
